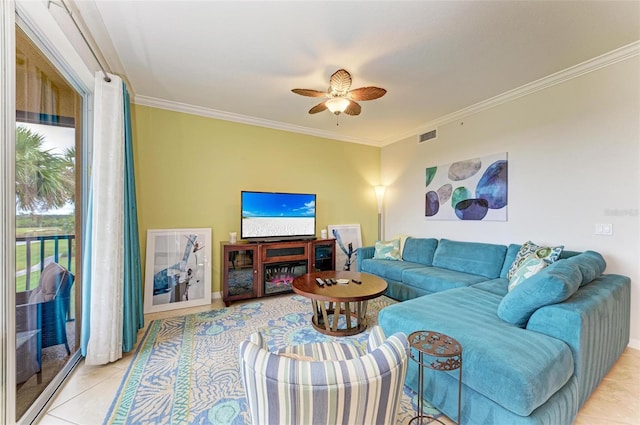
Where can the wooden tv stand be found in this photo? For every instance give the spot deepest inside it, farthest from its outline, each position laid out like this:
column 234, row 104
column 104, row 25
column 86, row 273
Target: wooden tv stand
column 255, row 270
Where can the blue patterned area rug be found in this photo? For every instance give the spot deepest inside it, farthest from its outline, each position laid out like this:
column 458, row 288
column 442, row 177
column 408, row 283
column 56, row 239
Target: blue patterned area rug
column 185, row 369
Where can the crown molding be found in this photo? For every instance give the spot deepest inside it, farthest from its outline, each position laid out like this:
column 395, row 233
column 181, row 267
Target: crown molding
column 244, row 119
column 607, row 59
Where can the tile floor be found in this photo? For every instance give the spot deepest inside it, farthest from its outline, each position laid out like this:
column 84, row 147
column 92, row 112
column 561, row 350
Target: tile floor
column 86, row 397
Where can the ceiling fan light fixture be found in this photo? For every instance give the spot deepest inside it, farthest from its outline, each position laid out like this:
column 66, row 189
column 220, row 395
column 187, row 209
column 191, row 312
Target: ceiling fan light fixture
column 340, row 99
column 337, row 104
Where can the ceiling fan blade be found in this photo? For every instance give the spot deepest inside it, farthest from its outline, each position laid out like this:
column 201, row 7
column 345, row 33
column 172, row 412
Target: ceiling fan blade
column 309, row 92
column 367, row 93
column 353, row 109
column 318, row 108
column 340, row 81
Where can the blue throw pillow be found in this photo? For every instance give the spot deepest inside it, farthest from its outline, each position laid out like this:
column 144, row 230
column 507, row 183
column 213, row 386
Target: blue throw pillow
column 591, row 265
column 552, row 285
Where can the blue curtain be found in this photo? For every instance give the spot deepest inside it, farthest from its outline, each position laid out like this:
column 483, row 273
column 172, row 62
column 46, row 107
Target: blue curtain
column 133, row 319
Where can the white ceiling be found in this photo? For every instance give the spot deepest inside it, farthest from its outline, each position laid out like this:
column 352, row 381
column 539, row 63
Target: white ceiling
column 239, row 60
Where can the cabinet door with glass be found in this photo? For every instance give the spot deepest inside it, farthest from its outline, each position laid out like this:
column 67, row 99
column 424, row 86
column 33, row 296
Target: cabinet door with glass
column 239, row 268
column 323, row 255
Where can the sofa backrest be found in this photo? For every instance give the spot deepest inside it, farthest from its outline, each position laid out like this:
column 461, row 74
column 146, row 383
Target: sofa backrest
column 477, row 258
column 512, row 252
column 419, row 250
column 509, row 258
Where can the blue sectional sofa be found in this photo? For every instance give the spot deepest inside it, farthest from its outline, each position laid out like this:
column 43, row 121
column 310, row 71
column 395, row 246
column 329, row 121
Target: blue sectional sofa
column 531, row 355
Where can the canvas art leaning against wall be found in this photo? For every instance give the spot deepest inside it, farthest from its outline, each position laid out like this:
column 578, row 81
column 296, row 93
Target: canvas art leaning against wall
column 348, row 240
column 178, row 270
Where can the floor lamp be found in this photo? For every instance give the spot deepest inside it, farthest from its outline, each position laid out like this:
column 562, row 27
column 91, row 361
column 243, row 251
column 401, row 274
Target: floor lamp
column 380, row 197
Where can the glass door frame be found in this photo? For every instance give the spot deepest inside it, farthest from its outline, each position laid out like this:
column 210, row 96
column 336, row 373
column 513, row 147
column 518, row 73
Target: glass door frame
column 34, row 20
column 7, row 216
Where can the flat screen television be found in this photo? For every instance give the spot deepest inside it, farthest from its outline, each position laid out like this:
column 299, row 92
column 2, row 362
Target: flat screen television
column 273, row 216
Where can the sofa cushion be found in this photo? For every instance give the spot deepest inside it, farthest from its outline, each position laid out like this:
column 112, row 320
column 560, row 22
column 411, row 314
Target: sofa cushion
column 547, row 253
column 590, row 263
column 419, row 250
column 470, row 257
column 517, row 369
column 568, row 254
column 552, row 285
column 495, row 286
column 387, row 269
column 435, row 279
column 387, row 250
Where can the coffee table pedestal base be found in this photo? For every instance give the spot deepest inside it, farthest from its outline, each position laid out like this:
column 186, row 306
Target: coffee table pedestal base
column 327, row 315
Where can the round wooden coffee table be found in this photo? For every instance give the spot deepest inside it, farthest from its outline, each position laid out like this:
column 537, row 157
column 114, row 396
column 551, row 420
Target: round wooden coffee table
column 347, row 301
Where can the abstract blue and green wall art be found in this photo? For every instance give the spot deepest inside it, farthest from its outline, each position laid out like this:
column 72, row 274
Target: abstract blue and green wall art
column 474, row 189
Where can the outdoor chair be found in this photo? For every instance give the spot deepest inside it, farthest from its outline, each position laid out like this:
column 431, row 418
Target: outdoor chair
column 46, row 307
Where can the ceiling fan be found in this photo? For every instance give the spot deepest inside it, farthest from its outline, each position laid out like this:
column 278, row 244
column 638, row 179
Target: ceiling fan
column 339, row 98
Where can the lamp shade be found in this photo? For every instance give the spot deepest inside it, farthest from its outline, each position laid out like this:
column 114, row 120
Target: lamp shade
column 337, row 104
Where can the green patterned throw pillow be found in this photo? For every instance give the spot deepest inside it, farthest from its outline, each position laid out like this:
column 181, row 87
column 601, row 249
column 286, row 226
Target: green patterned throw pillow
column 531, row 265
column 387, row 250
column 546, row 253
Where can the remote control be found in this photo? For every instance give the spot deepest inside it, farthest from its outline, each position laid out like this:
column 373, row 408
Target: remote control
column 328, row 282
column 333, row 281
column 319, row 281
column 357, row 281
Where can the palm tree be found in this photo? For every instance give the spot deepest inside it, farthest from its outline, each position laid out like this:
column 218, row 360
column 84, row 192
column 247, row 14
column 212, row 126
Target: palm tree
column 69, row 158
column 44, row 180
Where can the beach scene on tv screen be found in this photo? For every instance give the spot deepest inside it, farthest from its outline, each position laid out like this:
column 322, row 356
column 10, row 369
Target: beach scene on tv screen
column 277, row 214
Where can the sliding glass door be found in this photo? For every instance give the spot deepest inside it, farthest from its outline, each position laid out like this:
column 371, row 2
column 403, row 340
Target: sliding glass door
column 45, row 119
column 48, row 200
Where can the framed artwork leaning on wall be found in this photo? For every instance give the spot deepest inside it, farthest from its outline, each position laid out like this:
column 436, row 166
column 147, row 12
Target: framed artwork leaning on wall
column 348, row 240
column 178, row 269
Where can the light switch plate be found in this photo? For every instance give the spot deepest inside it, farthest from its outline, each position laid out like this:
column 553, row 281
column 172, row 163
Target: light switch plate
column 604, row 229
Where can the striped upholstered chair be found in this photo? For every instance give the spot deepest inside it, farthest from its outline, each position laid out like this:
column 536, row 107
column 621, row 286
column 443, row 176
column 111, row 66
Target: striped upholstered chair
column 325, row 383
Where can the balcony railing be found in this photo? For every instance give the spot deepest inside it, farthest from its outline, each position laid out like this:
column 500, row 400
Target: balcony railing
column 43, row 322
column 62, row 246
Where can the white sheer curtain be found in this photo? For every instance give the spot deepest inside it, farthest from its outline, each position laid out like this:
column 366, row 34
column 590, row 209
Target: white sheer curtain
column 104, row 258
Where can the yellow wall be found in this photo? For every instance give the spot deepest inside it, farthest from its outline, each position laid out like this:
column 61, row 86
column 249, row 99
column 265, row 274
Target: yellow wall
column 190, row 171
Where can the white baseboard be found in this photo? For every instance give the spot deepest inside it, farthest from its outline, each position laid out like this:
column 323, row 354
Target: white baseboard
column 216, row 296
